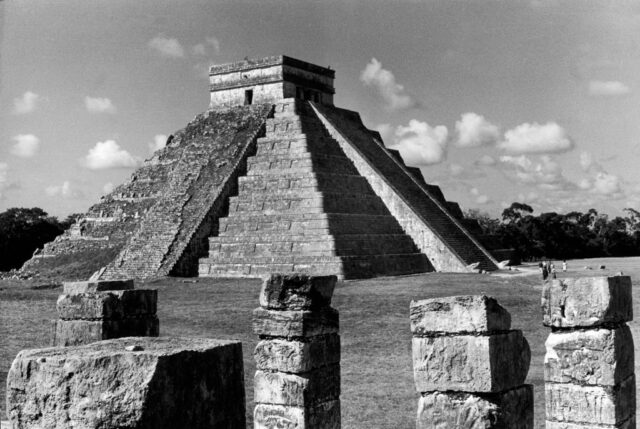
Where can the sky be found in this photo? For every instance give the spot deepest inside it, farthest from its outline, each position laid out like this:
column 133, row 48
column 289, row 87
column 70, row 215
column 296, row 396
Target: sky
column 496, row 101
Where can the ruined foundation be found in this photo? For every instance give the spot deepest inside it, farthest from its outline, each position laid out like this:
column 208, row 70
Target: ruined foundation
column 469, row 366
column 589, row 362
column 101, row 310
column 297, row 380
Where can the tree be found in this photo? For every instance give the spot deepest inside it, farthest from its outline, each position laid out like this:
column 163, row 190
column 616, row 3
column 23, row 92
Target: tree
column 22, row 231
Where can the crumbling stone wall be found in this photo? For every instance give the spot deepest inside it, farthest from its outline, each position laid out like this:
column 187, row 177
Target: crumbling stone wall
column 589, row 362
column 297, row 380
column 469, row 366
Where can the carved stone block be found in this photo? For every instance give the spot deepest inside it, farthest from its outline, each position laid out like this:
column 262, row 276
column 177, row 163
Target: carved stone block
column 320, row 385
column 297, row 356
column 301, row 323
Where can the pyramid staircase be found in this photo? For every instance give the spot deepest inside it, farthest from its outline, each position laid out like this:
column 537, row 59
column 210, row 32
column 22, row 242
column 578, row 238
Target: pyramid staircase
column 303, row 207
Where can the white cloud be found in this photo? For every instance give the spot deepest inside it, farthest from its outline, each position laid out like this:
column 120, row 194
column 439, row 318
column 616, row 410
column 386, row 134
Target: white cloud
column 4, row 180
column 167, row 47
column 108, row 188
column 26, row 145
column 385, row 84
column 108, row 154
column 586, row 161
column 546, row 174
column 528, row 198
column 27, row 103
column 608, row 88
column 202, row 49
column 480, row 198
column 159, row 142
column 65, row 191
column 486, row 160
column 475, row 130
column 606, row 184
column 99, row 105
column 536, row 138
column 420, row 144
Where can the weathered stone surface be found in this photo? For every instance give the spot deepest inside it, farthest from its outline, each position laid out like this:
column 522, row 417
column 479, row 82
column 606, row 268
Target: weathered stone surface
column 320, row 385
column 588, row 301
column 467, row 363
column 628, row 424
column 78, row 332
column 321, row 416
column 96, row 286
column 173, row 383
column 597, row 356
column 596, row 405
column 301, row 323
column 469, row 313
column 297, row 356
column 107, row 305
column 296, row 292
column 512, row 409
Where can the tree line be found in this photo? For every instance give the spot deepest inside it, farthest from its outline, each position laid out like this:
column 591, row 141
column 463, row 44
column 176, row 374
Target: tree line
column 562, row 236
column 23, row 230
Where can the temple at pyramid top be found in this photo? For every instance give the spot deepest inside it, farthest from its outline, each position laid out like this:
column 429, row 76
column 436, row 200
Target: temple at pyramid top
column 272, row 178
column 268, row 80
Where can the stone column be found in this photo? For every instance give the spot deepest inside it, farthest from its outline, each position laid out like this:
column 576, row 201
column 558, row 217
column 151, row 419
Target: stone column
column 469, row 366
column 297, row 380
column 589, row 361
column 100, row 310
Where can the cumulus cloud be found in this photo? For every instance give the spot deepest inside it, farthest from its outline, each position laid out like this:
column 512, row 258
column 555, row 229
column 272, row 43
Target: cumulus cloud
column 27, row 103
column 420, row 144
column 167, row 47
column 475, row 130
column 600, row 181
column 546, row 174
column 608, row 88
column 26, row 145
column 65, row 191
column 606, row 184
column 384, row 82
column 203, row 48
column 486, row 160
column 99, row 105
column 536, row 138
column 480, row 198
column 159, row 141
column 108, row 154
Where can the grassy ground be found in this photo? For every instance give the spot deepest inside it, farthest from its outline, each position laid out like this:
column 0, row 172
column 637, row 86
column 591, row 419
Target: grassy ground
column 377, row 381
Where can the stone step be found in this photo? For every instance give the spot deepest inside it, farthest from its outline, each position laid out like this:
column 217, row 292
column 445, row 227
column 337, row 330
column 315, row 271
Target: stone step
column 320, row 181
column 311, row 202
column 363, row 244
column 263, row 164
column 292, row 106
column 345, row 267
column 293, row 128
column 286, row 146
column 313, row 223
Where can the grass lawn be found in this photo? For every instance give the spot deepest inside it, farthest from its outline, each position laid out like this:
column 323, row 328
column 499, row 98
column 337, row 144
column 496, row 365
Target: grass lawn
column 377, row 379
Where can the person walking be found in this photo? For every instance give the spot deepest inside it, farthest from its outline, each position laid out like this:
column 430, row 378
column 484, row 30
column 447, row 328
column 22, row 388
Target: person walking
column 545, row 273
column 564, row 266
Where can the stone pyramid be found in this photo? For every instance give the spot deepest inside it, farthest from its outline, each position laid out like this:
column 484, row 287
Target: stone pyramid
column 272, row 178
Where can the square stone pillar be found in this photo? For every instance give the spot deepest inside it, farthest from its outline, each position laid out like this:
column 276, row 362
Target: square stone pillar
column 469, row 366
column 589, row 360
column 297, row 380
column 100, row 310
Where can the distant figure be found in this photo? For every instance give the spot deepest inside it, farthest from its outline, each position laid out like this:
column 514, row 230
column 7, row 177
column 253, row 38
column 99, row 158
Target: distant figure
column 545, row 273
column 540, row 266
column 564, row 266
column 553, row 272
column 602, row 267
column 551, row 266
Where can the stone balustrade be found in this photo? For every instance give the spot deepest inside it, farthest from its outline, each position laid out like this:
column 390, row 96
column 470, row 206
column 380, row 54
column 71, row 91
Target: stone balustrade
column 589, row 361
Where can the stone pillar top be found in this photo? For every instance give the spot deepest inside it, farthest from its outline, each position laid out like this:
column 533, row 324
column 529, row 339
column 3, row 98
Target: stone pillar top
column 296, row 292
column 96, row 286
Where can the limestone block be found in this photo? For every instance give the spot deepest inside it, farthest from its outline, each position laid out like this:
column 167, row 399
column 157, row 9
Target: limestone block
column 511, row 409
column 296, row 292
column 107, row 305
column 302, row 323
column 77, row 332
column 297, row 356
column 588, row 301
column 469, row 313
column 597, row 405
column 321, row 416
column 469, row 363
column 628, row 424
column 597, row 356
column 320, row 385
column 97, row 286
column 167, row 383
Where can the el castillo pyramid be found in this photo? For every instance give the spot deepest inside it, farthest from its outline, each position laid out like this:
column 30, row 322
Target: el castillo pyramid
column 272, row 178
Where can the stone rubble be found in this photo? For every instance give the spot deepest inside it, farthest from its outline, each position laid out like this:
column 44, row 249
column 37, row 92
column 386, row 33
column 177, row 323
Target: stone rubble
column 100, row 310
column 589, row 361
column 297, row 379
column 469, row 366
